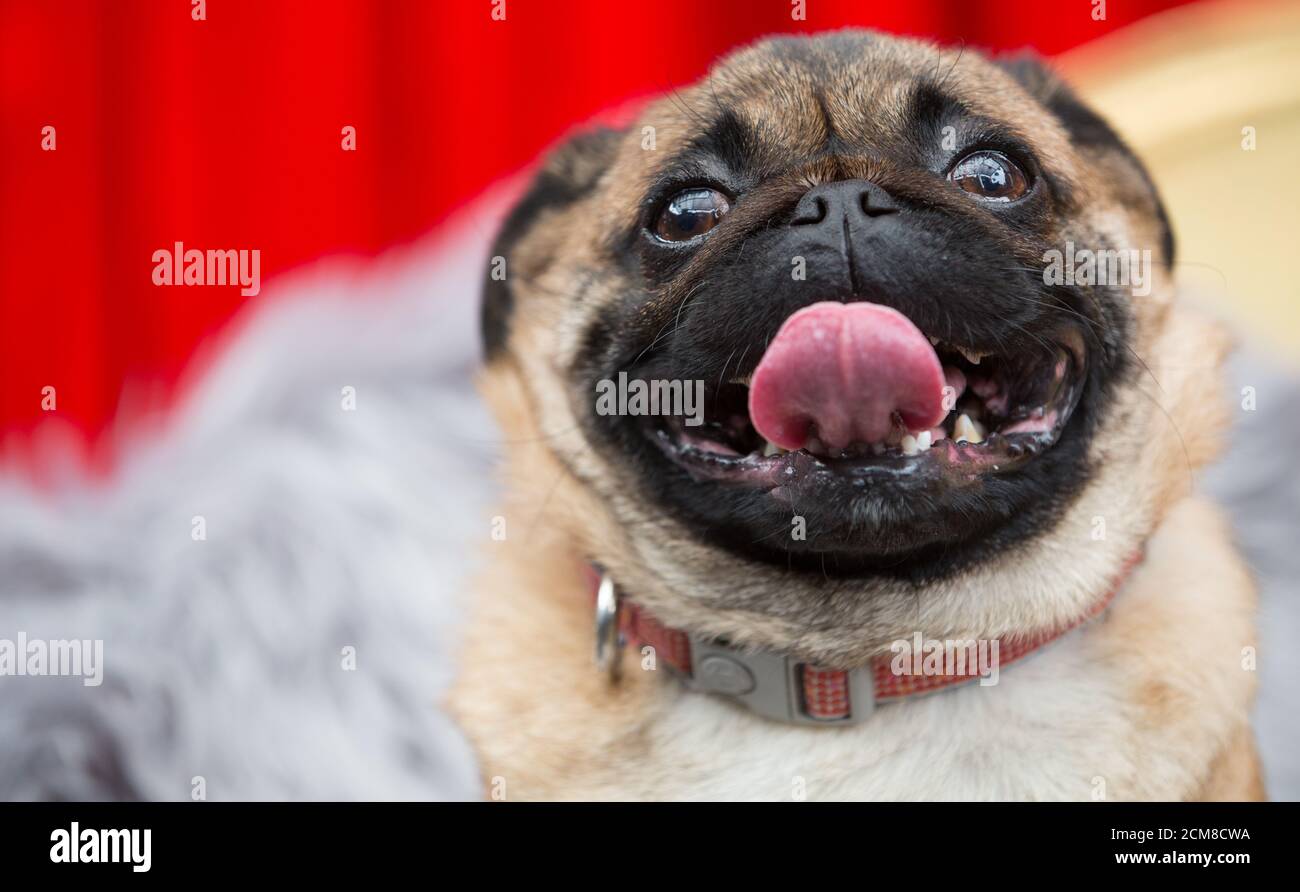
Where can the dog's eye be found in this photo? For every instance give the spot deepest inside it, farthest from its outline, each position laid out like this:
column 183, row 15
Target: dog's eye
column 690, row 213
column 991, row 176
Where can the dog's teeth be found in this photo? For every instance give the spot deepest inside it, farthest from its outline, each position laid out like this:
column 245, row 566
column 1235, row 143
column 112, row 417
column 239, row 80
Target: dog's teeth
column 910, row 446
column 770, row 449
column 972, row 356
column 934, row 342
column 745, row 380
column 923, row 441
column 965, row 430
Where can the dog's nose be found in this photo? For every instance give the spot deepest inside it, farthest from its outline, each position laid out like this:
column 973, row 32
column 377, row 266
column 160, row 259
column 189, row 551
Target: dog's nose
column 843, row 201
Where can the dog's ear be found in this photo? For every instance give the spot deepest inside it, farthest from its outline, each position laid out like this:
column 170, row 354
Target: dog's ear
column 1088, row 130
column 566, row 176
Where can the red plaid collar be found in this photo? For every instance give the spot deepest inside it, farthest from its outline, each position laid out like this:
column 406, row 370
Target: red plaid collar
column 781, row 687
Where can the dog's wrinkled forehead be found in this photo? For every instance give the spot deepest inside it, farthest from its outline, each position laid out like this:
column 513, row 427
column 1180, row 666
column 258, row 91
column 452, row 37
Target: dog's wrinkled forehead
column 790, row 100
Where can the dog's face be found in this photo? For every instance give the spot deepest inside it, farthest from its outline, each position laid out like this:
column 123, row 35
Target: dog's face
column 844, row 239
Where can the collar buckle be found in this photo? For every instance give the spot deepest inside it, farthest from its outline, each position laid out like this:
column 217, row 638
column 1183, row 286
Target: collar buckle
column 780, row 687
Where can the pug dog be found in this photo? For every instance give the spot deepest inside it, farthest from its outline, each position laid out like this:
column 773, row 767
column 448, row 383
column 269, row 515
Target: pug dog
column 936, row 415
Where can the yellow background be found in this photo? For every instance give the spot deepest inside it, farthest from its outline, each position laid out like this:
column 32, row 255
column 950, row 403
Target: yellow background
column 1179, row 87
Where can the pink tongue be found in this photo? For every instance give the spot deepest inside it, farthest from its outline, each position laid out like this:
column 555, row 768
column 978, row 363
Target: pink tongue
column 841, row 372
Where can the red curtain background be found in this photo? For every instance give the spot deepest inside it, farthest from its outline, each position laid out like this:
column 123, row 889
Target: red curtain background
column 225, row 133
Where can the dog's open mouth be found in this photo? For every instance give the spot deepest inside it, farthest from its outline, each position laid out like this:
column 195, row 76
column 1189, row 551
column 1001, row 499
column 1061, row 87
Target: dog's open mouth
column 852, row 393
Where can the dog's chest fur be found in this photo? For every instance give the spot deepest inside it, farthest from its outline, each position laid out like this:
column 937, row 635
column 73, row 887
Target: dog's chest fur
column 1144, row 703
